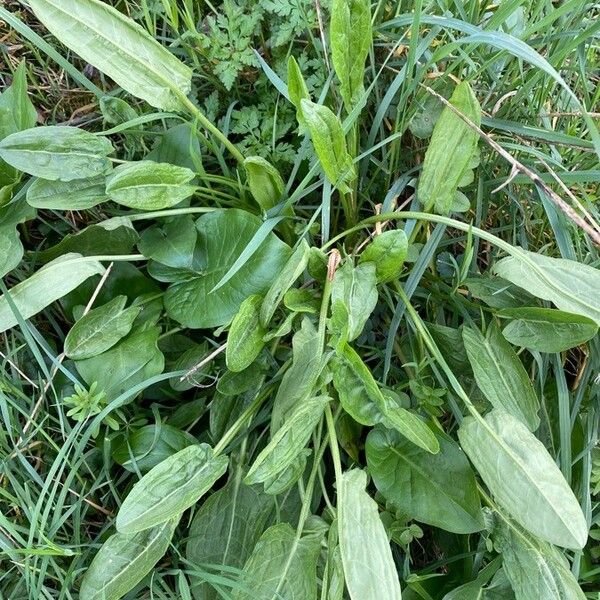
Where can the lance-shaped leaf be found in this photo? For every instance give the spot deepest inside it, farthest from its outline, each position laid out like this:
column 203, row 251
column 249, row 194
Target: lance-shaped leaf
column 79, row 194
column 388, row 252
column 501, row 376
column 291, row 271
column 547, row 329
column 11, row 249
column 570, row 285
column 53, row 152
column 289, row 440
column 51, row 282
column 350, row 36
column 535, row 568
column 281, row 566
column 100, row 329
column 369, row 567
column 245, row 338
column 147, row 185
column 450, row 152
column 437, row 489
column 118, row 47
column 171, row 245
column 297, row 89
column 330, row 144
column 524, row 478
column 265, row 182
column 124, row 560
column 170, row 488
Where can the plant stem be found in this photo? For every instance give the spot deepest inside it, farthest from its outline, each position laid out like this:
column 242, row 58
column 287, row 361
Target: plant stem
column 333, row 443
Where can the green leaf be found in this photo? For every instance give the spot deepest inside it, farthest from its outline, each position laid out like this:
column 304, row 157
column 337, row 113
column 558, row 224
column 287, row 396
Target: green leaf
column 293, row 268
column 100, row 329
column 388, row 252
column 124, row 560
column 330, row 144
column 111, row 237
column 11, row 249
column 410, row 425
column 132, row 361
column 356, row 289
column 474, row 590
column 351, row 37
column 225, row 530
column 222, row 237
column 281, row 566
column 172, row 244
column 146, row 447
column 358, row 392
column 51, row 282
column 265, row 182
column 280, row 482
column 524, row 478
column 546, row 329
column 147, row 185
column 369, row 567
column 450, row 152
column 245, row 338
column 300, row 379
column 52, row 152
column 170, row 488
column 16, row 109
column 535, row 568
column 497, row 292
column 79, row 194
column 297, row 89
column 501, row 376
column 118, row 47
column 437, row 489
column 288, row 441
column 572, row 286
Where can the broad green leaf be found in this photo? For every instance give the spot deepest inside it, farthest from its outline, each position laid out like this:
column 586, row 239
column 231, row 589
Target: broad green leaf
column 280, row 482
column 570, row 285
column 301, row 377
column 172, row 244
column 350, row 37
column 116, row 111
column 51, row 282
column 437, row 489
column 358, row 392
column 124, row 560
column 330, row 144
column 524, row 478
column 388, row 252
column 179, row 145
column 100, row 329
column 369, row 567
column 170, row 488
column 79, row 194
column 265, row 182
column 281, row 567
column 535, row 568
column 118, row 47
column 11, row 249
column 297, row 89
column 245, row 337
column 410, row 425
column 497, row 292
column 475, row 590
column 222, row 237
column 450, row 152
column 146, row 447
column 130, row 362
column 288, row 441
column 147, row 185
column 16, row 109
column 547, row 329
column 111, row 237
column 285, row 279
column 501, row 376
column 356, row 289
column 225, row 530
column 53, row 152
